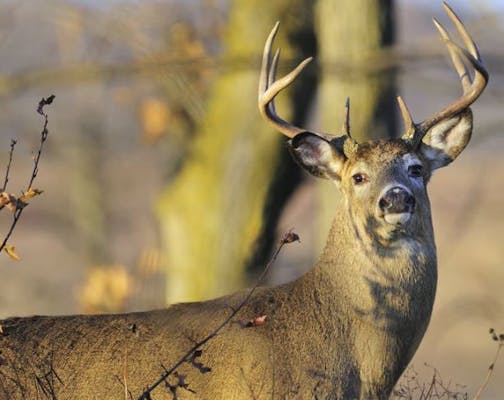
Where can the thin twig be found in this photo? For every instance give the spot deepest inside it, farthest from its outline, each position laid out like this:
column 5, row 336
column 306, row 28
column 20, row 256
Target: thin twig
column 490, row 368
column 15, row 220
column 7, row 171
column 432, row 384
column 289, row 237
column 411, row 387
column 43, row 138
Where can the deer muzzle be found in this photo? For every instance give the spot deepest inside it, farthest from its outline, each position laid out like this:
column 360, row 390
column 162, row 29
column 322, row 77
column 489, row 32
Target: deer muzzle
column 397, row 205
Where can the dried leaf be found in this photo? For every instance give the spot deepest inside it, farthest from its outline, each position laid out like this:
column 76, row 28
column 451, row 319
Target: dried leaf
column 155, row 118
column 290, row 237
column 1, row 329
column 196, row 364
column 10, row 201
column 30, row 193
column 11, row 251
column 44, row 102
column 106, row 289
column 4, row 199
column 257, row 321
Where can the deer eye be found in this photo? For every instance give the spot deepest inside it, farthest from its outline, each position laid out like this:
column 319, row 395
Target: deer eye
column 415, row 170
column 359, row 178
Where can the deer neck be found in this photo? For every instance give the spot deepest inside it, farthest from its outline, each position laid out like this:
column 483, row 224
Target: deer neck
column 386, row 281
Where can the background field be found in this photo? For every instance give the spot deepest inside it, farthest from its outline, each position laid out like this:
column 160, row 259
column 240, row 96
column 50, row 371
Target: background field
column 92, row 241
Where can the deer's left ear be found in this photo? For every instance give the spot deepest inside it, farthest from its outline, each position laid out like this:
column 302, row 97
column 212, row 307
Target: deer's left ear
column 446, row 140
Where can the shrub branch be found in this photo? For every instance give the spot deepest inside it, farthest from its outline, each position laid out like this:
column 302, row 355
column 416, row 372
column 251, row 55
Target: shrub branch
column 7, row 170
column 195, row 351
column 500, row 343
column 43, row 137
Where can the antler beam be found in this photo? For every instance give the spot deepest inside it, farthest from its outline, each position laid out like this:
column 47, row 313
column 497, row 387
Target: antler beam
column 269, row 87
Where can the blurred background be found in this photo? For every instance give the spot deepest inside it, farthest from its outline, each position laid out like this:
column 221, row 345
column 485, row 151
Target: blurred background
column 163, row 184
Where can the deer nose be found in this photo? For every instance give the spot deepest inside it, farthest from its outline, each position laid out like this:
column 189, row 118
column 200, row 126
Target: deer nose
column 397, row 200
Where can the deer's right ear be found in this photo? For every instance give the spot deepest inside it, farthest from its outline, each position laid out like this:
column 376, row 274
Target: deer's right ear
column 317, row 156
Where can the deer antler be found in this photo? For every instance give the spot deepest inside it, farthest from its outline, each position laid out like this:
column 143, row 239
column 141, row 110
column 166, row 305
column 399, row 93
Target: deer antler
column 269, row 87
column 472, row 89
column 346, row 118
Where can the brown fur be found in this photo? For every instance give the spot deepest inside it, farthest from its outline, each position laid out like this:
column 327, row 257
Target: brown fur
column 346, row 329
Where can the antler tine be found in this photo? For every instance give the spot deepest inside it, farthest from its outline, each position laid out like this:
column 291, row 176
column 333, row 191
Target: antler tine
column 350, row 145
column 273, row 68
column 346, row 118
column 466, row 37
column 409, row 125
column 272, row 76
column 456, row 60
column 269, row 87
column 266, row 61
column 472, row 89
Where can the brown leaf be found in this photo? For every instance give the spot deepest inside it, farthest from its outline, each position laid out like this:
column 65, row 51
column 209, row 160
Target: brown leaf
column 11, row 251
column 30, row 193
column 44, row 102
column 8, row 200
column 4, row 199
column 257, row 321
column 11, row 202
column 155, row 118
column 290, row 237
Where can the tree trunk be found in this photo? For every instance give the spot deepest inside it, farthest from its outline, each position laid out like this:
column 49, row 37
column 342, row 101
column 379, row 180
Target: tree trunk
column 352, row 36
column 212, row 213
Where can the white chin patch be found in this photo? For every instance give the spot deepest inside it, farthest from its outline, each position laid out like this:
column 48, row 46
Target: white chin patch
column 397, row 218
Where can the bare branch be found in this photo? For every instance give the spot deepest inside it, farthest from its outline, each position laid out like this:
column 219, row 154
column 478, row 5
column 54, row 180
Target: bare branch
column 500, row 339
column 7, row 170
column 411, row 387
column 43, row 137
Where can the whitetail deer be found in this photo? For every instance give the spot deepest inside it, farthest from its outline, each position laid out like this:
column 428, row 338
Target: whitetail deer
column 345, row 330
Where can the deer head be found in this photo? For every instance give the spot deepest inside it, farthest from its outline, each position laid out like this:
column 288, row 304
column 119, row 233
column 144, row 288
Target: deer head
column 384, row 181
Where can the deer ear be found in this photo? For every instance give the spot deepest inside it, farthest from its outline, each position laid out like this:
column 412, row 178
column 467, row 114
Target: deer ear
column 317, row 155
column 446, row 140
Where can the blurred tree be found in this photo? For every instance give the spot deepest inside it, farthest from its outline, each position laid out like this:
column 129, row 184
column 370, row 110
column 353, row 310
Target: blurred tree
column 353, row 36
column 88, row 192
column 212, row 213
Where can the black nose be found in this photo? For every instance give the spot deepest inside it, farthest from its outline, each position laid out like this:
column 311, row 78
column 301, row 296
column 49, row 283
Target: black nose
column 397, row 200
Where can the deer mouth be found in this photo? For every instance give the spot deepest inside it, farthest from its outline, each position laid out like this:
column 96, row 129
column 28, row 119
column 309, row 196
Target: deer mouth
column 397, row 219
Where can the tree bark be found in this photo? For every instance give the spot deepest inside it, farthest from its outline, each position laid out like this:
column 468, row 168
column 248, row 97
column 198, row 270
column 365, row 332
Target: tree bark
column 211, row 215
column 352, row 35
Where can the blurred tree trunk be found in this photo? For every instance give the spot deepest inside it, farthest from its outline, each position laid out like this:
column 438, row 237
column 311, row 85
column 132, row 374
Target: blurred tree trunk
column 212, row 213
column 352, row 36
column 88, row 194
